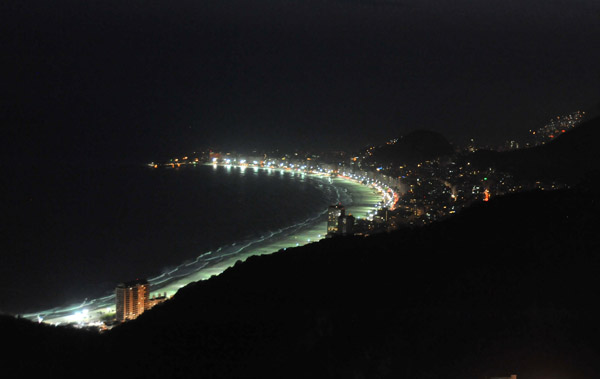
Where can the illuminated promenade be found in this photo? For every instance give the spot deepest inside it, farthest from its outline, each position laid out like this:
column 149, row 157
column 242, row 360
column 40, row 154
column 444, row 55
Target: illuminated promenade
column 357, row 198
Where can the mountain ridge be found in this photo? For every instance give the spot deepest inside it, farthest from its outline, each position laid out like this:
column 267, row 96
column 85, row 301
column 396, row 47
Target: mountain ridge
column 504, row 285
column 568, row 158
column 414, row 147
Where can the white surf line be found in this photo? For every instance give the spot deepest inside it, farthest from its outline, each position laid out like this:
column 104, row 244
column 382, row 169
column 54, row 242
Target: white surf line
column 223, row 257
column 174, row 277
column 155, row 281
column 198, row 258
column 272, row 234
column 57, row 311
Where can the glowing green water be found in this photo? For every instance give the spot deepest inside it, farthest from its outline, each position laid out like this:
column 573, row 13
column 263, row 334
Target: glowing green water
column 364, row 198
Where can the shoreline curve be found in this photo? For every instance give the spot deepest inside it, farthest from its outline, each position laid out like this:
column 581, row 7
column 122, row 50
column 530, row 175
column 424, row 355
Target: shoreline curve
column 364, row 198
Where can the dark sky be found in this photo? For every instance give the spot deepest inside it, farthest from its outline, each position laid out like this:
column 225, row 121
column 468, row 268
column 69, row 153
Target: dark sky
column 137, row 79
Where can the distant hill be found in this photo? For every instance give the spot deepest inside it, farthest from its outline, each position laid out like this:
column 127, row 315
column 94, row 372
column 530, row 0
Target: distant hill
column 569, row 158
column 508, row 286
column 415, row 147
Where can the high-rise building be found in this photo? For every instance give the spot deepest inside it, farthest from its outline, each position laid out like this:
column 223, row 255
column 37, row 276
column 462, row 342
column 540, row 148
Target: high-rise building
column 157, row 299
column 346, row 225
column 382, row 216
column 333, row 214
column 132, row 299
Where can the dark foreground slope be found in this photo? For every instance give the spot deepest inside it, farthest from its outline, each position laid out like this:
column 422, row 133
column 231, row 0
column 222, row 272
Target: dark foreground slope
column 568, row 158
column 505, row 287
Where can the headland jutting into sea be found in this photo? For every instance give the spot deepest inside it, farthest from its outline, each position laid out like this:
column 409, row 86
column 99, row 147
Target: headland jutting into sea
column 361, row 197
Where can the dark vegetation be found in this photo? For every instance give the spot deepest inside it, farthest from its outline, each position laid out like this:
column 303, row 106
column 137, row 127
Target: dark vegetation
column 505, row 287
column 509, row 286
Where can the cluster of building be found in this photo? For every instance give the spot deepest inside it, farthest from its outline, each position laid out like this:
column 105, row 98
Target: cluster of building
column 338, row 223
column 411, row 194
column 552, row 129
column 415, row 194
column 556, row 126
column 435, row 189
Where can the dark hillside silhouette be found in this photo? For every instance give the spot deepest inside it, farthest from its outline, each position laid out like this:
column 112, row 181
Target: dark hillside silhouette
column 566, row 159
column 417, row 146
column 508, row 286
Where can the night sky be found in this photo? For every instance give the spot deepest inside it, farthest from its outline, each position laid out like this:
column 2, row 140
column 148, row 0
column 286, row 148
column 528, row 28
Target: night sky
column 134, row 80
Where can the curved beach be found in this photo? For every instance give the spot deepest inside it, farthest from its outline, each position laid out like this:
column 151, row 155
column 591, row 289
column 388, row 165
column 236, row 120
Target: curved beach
column 357, row 198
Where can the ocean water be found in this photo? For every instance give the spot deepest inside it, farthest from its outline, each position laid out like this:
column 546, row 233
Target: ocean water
column 72, row 233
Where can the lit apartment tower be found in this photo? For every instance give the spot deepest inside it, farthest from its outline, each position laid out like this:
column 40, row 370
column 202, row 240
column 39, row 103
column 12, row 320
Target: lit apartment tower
column 132, row 299
column 333, row 214
column 346, row 225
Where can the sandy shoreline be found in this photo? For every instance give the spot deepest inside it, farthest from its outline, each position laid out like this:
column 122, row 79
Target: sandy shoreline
column 300, row 235
column 208, row 264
